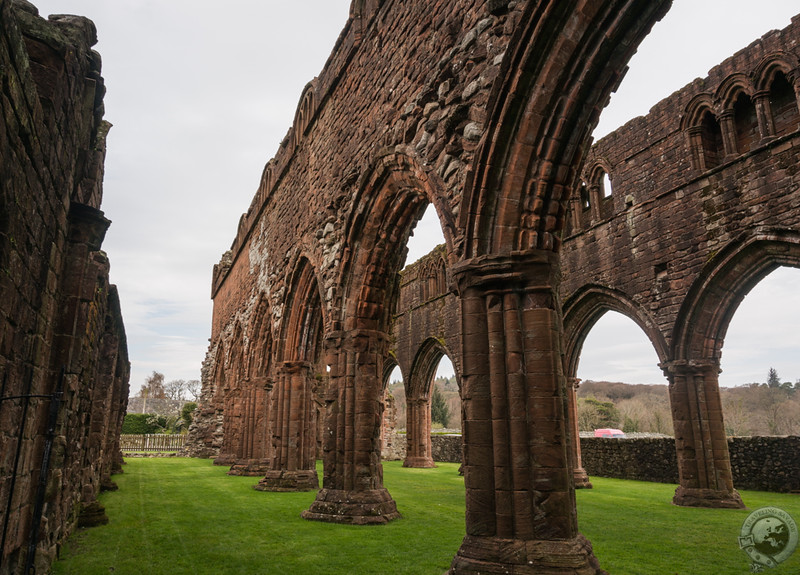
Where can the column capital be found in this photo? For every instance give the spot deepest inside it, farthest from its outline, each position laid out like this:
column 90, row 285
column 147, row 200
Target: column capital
column 689, row 366
column 290, row 367
column 529, row 270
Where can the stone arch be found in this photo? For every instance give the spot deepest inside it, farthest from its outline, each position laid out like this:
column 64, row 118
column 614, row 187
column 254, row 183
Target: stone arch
column 777, row 94
column 305, row 112
column 541, row 113
column 715, row 296
column 738, row 116
column 587, row 306
column 418, row 395
column 298, row 388
column 253, row 456
column 389, row 200
column 703, row 133
column 581, row 313
column 557, row 74
column 231, row 399
column 693, row 370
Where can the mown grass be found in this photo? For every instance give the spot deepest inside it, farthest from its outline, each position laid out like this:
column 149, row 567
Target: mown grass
column 186, row 516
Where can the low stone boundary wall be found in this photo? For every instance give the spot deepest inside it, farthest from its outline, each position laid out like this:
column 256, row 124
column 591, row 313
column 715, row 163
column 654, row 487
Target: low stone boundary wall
column 445, row 448
column 758, row 463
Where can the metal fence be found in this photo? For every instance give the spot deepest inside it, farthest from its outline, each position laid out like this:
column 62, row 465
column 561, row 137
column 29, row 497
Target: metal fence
column 156, row 442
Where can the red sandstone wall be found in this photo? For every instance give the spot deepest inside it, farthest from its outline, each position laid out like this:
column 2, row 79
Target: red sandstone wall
column 668, row 220
column 411, row 86
column 60, row 322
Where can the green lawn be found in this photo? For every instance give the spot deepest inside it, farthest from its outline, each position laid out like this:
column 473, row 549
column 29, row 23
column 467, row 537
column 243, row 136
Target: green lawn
column 186, row 516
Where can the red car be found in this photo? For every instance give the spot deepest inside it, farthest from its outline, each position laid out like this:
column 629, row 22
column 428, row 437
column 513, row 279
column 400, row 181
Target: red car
column 609, row 433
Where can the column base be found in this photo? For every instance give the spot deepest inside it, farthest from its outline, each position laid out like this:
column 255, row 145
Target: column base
column 489, row 555
column 581, row 479
column 283, row 480
column 714, row 498
column 419, row 462
column 225, row 459
column 249, row 467
column 373, row 507
column 92, row 514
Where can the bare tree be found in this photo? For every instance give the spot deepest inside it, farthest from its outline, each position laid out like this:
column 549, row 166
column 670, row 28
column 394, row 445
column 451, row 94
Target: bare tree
column 194, row 389
column 175, row 389
column 153, row 386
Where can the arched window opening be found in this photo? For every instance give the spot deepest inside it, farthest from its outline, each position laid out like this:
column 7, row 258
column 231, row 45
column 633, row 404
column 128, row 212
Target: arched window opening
column 605, row 185
column 746, row 121
column 585, row 199
column 760, row 379
column 783, row 104
column 426, row 235
column 711, row 138
column 445, row 397
column 395, row 400
column 621, row 385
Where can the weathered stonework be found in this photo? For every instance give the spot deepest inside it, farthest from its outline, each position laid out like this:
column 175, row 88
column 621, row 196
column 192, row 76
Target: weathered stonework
column 63, row 357
column 758, row 463
column 483, row 109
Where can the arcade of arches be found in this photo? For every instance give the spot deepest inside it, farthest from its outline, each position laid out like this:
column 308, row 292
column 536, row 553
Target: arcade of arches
column 486, row 115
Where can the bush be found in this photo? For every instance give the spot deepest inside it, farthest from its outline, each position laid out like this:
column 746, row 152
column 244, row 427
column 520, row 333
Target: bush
column 187, row 412
column 142, row 423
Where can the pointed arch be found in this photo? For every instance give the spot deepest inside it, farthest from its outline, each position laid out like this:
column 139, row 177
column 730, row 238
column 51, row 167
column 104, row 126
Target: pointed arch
column 583, row 310
column 391, row 198
column 541, row 113
column 304, row 316
column 716, row 294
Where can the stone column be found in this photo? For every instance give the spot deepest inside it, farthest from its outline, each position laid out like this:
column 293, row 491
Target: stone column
column 578, row 472
column 521, row 515
column 766, row 125
column 595, row 197
column 727, row 124
column 704, row 467
column 293, row 465
column 419, row 452
column 696, row 146
column 352, row 489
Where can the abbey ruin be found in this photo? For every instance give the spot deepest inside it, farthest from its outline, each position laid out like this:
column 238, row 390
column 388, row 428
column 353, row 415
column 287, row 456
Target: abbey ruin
column 63, row 355
column 483, row 109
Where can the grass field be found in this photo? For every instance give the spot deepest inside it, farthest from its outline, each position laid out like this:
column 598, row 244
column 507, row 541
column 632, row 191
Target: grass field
column 186, row 516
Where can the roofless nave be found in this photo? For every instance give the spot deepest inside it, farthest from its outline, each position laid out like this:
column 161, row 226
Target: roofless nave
column 483, row 109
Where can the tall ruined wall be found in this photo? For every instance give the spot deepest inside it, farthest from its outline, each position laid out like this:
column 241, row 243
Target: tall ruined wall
column 708, row 179
column 63, row 355
column 641, row 246
column 404, row 90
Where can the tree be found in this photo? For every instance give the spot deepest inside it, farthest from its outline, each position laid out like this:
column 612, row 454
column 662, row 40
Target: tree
column 594, row 414
column 772, row 378
column 175, row 389
column 194, row 389
column 187, row 413
column 439, row 411
column 153, row 387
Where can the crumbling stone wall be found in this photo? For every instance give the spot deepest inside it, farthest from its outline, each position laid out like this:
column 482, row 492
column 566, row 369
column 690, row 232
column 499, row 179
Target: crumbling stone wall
column 63, row 356
column 681, row 235
column 483, row 109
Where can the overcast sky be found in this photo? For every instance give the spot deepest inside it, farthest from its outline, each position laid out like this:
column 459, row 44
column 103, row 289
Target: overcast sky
column 201, row 93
